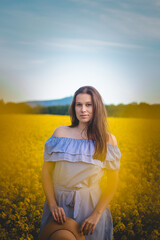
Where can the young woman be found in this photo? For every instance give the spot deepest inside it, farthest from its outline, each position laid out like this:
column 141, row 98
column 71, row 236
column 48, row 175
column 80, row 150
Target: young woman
column 75, row 160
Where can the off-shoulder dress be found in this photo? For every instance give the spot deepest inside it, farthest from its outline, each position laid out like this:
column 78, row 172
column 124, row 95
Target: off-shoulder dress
column 76, row 179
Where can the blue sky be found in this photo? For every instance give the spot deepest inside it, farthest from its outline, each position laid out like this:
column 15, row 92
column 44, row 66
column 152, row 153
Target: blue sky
column 48, row 49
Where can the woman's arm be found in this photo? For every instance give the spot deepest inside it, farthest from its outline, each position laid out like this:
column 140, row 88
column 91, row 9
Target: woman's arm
column 47, row 183
column 107, row 194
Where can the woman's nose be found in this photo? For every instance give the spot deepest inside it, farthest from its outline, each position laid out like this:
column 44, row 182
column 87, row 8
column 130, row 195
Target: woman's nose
column 83, row 109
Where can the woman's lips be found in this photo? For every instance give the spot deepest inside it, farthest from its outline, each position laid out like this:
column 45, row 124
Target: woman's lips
column 84, row 115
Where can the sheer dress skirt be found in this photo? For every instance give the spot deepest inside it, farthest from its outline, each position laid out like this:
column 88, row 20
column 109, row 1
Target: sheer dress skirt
column 79, row 210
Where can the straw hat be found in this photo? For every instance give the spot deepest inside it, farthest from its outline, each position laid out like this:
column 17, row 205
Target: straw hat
column 70, row 230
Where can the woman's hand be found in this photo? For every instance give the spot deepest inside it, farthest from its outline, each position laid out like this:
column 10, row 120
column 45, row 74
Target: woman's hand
column 90, row 223
column 58, row 214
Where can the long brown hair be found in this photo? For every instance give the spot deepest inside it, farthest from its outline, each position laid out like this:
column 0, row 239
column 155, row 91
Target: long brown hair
column 97, row 127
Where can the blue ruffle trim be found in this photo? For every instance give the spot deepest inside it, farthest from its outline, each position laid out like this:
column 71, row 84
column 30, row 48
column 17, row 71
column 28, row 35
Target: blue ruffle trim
column 77, row 150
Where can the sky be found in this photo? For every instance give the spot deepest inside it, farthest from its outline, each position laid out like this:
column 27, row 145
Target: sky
column 50, row 48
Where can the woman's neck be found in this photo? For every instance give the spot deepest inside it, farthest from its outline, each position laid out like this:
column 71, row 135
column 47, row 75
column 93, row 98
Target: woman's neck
column 82, row 129
column 82, row 126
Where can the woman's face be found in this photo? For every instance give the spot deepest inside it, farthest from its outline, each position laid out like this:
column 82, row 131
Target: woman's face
column 84, row 107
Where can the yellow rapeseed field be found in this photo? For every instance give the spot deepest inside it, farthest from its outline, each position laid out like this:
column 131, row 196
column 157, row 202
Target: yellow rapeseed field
column 135, row 206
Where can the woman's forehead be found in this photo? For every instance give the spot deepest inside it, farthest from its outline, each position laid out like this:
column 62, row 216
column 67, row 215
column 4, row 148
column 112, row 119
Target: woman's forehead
column 83, row 97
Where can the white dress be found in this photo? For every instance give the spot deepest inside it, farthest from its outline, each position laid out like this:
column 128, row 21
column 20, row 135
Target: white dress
column 76, row 179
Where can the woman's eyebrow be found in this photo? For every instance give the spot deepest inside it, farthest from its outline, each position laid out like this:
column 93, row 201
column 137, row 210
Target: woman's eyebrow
column 85, row 102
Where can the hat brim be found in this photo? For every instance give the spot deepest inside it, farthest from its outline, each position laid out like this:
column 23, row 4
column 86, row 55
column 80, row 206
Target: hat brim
column 70, row 225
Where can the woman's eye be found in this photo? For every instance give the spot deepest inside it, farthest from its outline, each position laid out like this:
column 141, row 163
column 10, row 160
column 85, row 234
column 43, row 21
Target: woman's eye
column 78, row 104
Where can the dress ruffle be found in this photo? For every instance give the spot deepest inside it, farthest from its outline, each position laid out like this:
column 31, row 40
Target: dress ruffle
column 77, row 150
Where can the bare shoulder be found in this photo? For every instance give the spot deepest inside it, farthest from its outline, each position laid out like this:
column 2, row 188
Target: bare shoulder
column 112, row 139
column 60, row 131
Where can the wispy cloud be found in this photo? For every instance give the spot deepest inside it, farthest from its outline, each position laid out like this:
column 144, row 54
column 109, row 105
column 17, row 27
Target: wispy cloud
column 129, row 19
column 100, row 20
column 133, row 24
column 79, row 44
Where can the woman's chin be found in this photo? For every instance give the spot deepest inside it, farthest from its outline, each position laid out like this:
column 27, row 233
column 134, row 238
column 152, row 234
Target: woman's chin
column 84, row 120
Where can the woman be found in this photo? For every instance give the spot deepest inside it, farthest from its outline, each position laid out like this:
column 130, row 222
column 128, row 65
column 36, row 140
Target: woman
column 75, row 160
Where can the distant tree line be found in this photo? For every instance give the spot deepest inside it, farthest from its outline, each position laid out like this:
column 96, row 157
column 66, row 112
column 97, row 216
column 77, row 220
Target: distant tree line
column 141, row 110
